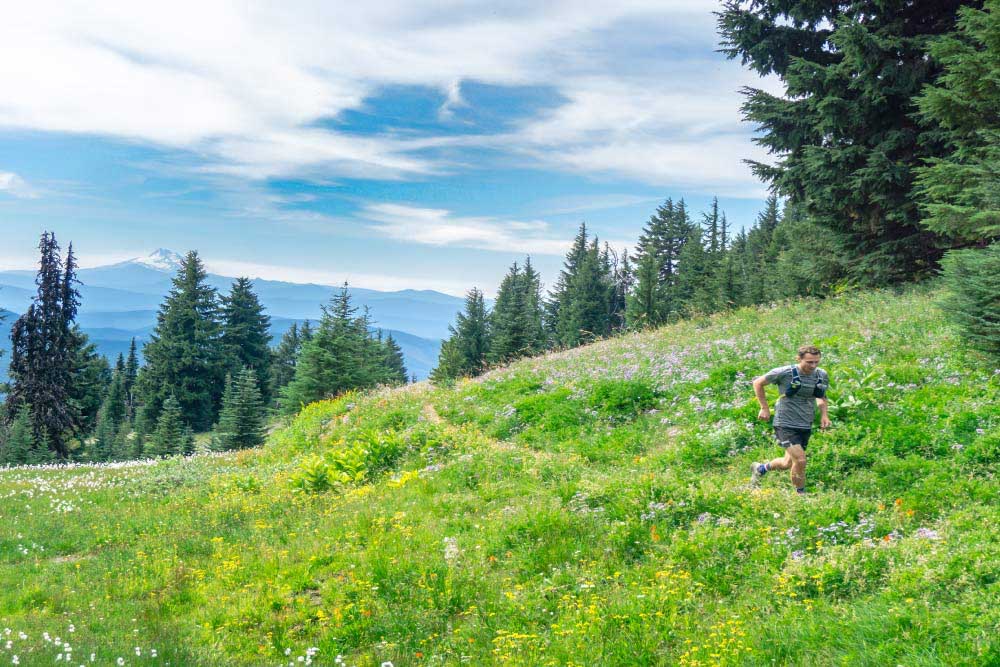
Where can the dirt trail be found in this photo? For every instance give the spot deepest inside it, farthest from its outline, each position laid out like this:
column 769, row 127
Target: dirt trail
column 430, row 414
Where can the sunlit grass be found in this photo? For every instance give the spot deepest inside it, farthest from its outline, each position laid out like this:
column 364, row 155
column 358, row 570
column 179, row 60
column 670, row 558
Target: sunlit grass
column 587, row 508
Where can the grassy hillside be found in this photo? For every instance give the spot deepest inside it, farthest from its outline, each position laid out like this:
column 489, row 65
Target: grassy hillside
column 587, row 508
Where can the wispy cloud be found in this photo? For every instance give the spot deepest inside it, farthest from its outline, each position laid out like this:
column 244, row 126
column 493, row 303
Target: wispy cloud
column 439, row 227
column 15, row 186
column 246, row 89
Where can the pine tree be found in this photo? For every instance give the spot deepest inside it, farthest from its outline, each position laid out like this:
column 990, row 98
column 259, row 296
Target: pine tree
column 555, row 321
column 585, row 314
column 19, row 445
column 394, row 364
column 102, row 444
column 90, row 379
column 693, row 292
column 129, row 379
column 844, row 132
column 44, row 352
column 114, row 408
column 331, row 361
column 169, row 436
column 241, row 422
column 508, row 323
column 185, row 357
column 959, row 192
column 711, row 230
column 645, row 302
column 534, row 310
column 466, row 350
column 283, row 359
column 246, row 333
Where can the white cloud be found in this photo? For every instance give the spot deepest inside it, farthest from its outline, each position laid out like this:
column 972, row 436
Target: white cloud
column 15, row 186
column 245, row 86
column 439, row 227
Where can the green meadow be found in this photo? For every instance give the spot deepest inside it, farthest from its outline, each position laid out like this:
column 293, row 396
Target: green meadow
column 589, row 507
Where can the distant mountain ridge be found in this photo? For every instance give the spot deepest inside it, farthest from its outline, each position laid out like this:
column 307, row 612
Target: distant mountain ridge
column 121, row 300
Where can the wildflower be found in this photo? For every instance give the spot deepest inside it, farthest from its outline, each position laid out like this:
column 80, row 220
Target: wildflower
column 386, row 664
column 120, row 662
column 288, row 651
column 451, row 549
column 798, row 554
column 15, row 660
column 927, row 534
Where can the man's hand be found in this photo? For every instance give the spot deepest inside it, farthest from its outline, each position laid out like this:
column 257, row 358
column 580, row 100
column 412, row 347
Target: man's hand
column 764, row 414
column 824, row 422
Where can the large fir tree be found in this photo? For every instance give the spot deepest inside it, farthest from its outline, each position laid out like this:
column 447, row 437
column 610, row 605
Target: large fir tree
column 185, row 357
column 845, row 134
column 47, row 352
column 465, row 352
column 338, row 357
column 246, row 334
column 960, row 191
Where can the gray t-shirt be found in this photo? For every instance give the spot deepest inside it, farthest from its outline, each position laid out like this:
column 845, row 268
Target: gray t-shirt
column 796, row 411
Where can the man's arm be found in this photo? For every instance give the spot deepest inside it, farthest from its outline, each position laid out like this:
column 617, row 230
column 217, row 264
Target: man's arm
column 824, row 418
column 758, row 390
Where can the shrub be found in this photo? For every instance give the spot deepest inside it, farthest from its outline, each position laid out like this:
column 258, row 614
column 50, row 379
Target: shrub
column 613, row 398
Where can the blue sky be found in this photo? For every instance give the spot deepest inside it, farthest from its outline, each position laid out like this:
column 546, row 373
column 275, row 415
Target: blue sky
column 423, row 145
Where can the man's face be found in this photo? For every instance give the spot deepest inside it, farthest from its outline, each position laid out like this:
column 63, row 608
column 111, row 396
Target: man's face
column 808, row 363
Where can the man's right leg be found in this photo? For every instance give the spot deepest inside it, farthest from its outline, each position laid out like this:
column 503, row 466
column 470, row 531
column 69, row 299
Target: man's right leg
column 794, row 459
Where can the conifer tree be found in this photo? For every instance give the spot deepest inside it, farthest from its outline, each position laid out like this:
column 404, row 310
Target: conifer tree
column 103, row 440
column 170, row 433
column 332, row 361
column 844, row 132
column 584, row 315
column 508, row 321
column 241, row 422
column 44, row 352
column 114, row 407
column 129, row 379
column 534, row 310
column 246, row 333
column 90, row 379
column 645, row 302
column 693, row 292
column 393, row 364
column 465, row 352
column 19, row 445
column 622, row 280
column 559, row 297
column 283, row 359
column 185, row 356
column 959, row 192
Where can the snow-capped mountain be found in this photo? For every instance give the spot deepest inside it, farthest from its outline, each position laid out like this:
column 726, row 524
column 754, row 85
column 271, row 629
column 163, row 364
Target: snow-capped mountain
column 160, row 259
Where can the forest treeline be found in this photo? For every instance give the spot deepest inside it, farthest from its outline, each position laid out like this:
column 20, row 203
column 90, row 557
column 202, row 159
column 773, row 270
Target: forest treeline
column 208, row 368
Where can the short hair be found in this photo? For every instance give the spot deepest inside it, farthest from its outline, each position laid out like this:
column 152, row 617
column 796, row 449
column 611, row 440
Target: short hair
column 809, row 349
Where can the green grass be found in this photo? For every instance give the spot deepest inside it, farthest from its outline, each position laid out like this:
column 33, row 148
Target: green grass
column 586, row 508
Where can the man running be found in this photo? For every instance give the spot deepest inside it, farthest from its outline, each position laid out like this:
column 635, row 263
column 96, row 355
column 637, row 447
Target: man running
column 802, row 387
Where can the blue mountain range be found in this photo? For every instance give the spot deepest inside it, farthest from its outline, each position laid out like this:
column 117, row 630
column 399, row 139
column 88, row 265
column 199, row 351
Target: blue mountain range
column 120, row 301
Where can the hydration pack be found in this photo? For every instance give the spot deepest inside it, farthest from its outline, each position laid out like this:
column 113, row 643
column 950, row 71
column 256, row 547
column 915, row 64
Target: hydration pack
column 819, row 391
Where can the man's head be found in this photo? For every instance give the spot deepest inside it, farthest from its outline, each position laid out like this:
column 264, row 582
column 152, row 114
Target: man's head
column 808, row 358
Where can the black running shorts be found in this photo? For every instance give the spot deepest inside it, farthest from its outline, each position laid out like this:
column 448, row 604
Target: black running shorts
column 787, row 437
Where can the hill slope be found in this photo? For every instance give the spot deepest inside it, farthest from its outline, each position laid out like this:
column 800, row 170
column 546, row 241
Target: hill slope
column 589, row 507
